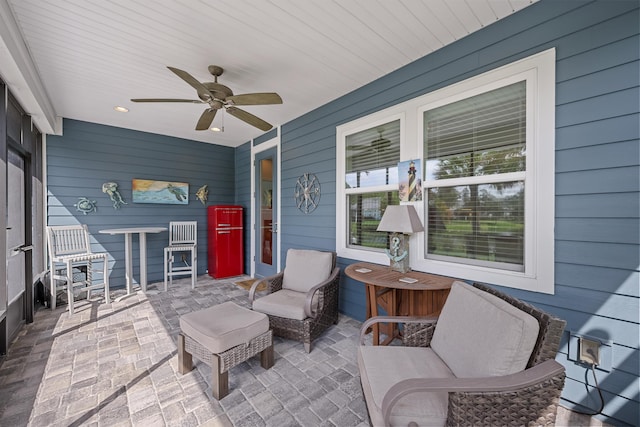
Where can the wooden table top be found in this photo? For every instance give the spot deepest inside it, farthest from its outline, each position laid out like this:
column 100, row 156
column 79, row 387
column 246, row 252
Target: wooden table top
column 382, row 275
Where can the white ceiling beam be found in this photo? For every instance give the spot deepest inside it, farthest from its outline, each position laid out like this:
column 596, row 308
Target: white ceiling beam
column 19, row 73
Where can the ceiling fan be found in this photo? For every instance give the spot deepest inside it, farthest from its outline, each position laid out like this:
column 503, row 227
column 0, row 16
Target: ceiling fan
column 219, row 96
column 378, row 145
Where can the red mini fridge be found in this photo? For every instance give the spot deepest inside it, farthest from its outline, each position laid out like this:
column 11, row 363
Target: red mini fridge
column 225, row 251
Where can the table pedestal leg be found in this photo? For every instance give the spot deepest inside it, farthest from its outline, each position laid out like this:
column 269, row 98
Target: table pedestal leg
column 143, row 262
column 372, row 310
column 128, row 262
column 389, row 301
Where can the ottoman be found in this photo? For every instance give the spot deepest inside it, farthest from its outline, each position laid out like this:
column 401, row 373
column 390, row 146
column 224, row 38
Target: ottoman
column 223, row 336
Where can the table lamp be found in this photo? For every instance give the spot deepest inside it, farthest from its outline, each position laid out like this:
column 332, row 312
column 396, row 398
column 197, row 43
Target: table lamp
column 400, row 220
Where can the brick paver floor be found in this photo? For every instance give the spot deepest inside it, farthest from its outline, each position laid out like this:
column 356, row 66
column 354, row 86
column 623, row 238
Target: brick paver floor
column 116, row 365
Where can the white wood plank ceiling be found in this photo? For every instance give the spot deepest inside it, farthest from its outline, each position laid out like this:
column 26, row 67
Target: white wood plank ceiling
column 87, row 56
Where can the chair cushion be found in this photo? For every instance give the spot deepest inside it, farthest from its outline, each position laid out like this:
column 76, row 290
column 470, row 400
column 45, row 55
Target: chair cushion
column 381, row 367
column 224, row 326
column 480, row 335
column 284, row 303
column 306, row 268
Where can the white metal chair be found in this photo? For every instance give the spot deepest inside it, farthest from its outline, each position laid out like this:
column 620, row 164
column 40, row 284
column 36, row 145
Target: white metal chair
column 183, row 237
column 69, row 250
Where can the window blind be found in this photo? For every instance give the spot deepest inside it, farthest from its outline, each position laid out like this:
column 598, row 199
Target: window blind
column 481, row 135
column 373, row 149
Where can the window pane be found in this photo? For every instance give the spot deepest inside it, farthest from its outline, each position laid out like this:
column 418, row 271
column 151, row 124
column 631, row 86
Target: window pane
column 372, row 156
column 478, row 136
column 365, row 212
column 480, row 224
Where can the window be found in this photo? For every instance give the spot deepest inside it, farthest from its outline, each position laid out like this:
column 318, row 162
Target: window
column 370, row 183
column 475, row 163
column 487, row 149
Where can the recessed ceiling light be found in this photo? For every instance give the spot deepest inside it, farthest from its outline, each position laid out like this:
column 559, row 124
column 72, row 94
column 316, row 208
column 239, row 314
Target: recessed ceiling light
column 216, row 129
column 121, row 109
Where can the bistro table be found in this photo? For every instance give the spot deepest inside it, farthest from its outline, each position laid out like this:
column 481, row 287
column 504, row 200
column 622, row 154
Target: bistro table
column 400, row 294
column 128, row 259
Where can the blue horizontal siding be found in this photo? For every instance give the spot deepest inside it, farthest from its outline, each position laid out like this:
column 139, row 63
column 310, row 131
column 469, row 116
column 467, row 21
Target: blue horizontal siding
column 618, row 180
column 600, row 107
column 101, row 154
column 599, row 230
column 610, row 80
column 622, row 128
column 616, row 255
column 604, row 156
column 606, row 279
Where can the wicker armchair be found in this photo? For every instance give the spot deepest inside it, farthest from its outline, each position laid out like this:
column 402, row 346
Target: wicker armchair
column 526, row 395
column 302, row 300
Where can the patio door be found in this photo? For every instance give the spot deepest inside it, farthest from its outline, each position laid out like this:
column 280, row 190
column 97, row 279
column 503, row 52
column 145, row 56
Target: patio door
column 18, row 247
column 266, row 214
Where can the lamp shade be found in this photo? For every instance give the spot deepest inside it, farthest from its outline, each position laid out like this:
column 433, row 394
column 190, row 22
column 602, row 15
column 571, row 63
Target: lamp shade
column 400, row 219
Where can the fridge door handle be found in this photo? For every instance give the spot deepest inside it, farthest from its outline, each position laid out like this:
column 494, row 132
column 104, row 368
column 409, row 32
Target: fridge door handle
column 224, row 232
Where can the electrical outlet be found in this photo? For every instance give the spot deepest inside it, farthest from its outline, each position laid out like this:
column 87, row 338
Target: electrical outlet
column 589, row 351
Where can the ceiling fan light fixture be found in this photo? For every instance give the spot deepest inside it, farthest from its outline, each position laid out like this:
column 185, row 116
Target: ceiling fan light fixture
column 121, row 109
column 219, row 128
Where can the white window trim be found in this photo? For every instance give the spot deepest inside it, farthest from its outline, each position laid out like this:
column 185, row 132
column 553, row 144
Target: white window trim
column 342, row 210
column 539, row 274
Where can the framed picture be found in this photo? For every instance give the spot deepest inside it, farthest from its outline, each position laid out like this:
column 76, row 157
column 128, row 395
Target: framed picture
column 151, row 191
column 410, row 181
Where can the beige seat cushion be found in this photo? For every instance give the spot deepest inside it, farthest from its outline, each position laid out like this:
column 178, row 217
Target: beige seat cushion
column 284, row 303
column 381, row 367
column 481, row 335
column 224, row 326
column 306, row 269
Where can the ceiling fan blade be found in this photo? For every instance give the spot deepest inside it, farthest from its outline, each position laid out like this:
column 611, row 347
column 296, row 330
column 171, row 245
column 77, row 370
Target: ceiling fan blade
column 249, row 118
column 206, row 119
column 191, row 80
column 255, row 99
column 194, row 101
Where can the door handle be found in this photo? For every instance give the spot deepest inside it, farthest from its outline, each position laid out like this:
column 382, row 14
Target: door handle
column 22, row 248
column 274, row 227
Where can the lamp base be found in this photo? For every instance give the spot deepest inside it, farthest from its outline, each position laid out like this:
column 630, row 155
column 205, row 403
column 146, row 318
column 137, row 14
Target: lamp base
column 398, row 252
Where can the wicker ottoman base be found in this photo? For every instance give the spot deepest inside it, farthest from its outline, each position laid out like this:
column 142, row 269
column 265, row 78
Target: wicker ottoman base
column 221, row 362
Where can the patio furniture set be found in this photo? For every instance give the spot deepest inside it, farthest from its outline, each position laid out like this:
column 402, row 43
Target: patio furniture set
column 483, row 358
column 70, row 252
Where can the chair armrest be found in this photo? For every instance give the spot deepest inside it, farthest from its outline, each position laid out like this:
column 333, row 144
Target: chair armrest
column 393, row 319
column 308, row 304
column 268, row 281
column 507, row 383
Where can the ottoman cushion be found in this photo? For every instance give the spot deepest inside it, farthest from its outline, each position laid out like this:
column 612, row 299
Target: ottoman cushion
column 224, row 326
